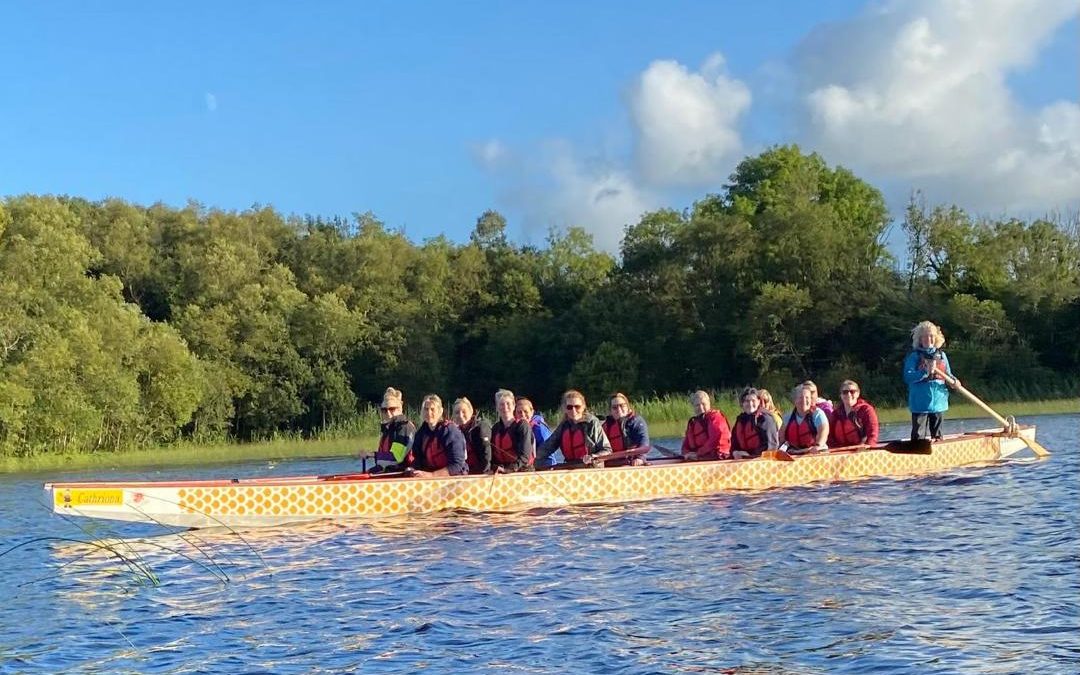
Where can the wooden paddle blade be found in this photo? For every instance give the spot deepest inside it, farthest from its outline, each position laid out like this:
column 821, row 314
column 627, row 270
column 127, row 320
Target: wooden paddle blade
column 919, row 446
column 1035, row 446
column 777, row 456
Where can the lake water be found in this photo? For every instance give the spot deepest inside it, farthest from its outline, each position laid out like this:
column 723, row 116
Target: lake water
column 973, row 571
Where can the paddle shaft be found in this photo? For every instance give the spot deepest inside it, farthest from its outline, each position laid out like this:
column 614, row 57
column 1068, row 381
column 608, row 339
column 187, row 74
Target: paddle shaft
column 1008, row 427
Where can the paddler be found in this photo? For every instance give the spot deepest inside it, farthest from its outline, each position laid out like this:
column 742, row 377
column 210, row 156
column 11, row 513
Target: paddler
column 926, row 372
column 806, row 428
column 395, row 433
column 708, row 434
column 755, row 428
column 854, row 421
column 512, row 445
column 477, row 432
column 626, row 430
column 438, row 449
column 580, row 435
column 541, row 431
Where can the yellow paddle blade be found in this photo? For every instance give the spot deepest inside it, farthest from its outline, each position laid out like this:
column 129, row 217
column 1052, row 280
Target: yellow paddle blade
column 1035, row 446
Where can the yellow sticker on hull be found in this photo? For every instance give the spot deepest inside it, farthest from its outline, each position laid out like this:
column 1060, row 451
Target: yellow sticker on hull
column 76, row 497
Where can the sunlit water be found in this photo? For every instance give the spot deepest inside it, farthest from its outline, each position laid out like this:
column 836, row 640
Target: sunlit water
column 973, row 570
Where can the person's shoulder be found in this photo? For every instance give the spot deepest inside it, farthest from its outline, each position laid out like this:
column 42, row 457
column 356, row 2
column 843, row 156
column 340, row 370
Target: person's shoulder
column 819, row 415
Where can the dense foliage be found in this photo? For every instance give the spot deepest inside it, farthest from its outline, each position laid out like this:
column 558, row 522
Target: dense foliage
column 124, row 325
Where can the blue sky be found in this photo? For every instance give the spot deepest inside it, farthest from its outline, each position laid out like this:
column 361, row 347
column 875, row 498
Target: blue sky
column 555, row 113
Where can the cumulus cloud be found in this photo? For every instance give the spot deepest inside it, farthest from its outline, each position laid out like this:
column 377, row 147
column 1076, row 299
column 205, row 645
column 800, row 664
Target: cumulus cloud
column 684, row 126
column 601, row 198
column 917, row 92
column 686, row 122
column 553, row 186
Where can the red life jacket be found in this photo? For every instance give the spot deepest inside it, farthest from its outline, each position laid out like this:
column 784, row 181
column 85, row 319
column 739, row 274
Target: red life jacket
column 846, row 429
column 697, row 432
column 801, row 434
column 502, row 444
column 749, row 434
column 614, row 430
column 434, row 450
column 573, row 443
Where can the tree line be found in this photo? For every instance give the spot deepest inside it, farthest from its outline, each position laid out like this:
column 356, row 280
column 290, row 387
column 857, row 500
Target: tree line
column 124, row 325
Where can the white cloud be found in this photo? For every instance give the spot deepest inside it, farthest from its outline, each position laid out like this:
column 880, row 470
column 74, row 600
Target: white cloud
column 490, row 153
column 686, row 122
column 916, row 92
column 211, row 102
column 684, row 126
column 602, row 199
column 554, row 187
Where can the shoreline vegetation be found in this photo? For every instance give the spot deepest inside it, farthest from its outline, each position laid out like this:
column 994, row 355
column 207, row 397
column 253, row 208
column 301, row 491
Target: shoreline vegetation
column 662, row 414
column 181, row 331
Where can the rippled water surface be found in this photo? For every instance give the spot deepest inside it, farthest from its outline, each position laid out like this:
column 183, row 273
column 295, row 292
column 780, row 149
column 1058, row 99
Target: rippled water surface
column 974, row 570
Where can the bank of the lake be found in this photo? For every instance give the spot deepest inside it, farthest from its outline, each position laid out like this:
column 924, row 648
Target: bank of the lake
column 661, row 415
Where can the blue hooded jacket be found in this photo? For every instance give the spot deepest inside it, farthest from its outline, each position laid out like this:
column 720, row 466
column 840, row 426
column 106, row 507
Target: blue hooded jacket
column 541, row 432
column 926, row 394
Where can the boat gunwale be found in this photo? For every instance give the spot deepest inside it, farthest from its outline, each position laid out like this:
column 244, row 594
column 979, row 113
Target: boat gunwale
column 358, row 477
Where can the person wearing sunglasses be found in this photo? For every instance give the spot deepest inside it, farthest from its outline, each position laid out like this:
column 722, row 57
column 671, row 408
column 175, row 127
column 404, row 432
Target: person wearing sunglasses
column 708, row 434
column 580, row 435
column 755, row 428
column 438, row 449
column 395, row 433
column 626, row 430
column 854, row 421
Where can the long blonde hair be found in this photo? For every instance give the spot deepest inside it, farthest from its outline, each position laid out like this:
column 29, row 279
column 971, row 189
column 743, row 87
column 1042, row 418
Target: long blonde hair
column 932, row 329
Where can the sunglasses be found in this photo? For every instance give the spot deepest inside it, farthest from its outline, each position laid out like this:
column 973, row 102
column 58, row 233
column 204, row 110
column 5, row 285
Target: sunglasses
column 849, row 391
column 571, row 406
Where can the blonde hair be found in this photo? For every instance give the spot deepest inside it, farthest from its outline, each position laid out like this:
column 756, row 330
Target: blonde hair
column 573, row 393
column 853, row 383
column 621, row 396
column 700, row 393
column 812, row 386
column 504, row 393
column 936, row 336
column 434, row 398
column 464, row 403
column 766, row 400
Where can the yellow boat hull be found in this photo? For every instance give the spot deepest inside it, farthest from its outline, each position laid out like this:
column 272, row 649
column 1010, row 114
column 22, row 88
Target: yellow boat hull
column 266, row 502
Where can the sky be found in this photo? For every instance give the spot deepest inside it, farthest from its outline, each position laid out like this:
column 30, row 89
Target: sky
column 553, row 113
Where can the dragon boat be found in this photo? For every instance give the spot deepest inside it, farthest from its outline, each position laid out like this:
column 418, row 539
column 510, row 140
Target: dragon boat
column 256, row 502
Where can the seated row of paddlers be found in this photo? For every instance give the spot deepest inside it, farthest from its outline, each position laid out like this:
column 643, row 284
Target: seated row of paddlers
column 520, row 439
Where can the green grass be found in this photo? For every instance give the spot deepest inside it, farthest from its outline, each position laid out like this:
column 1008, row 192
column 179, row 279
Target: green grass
column 666, row 415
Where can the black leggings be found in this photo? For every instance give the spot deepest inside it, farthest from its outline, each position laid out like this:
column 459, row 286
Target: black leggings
column 926, row 425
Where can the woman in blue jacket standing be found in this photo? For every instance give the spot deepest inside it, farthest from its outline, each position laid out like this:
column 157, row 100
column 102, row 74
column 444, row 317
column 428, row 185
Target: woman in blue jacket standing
column 928, row 377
